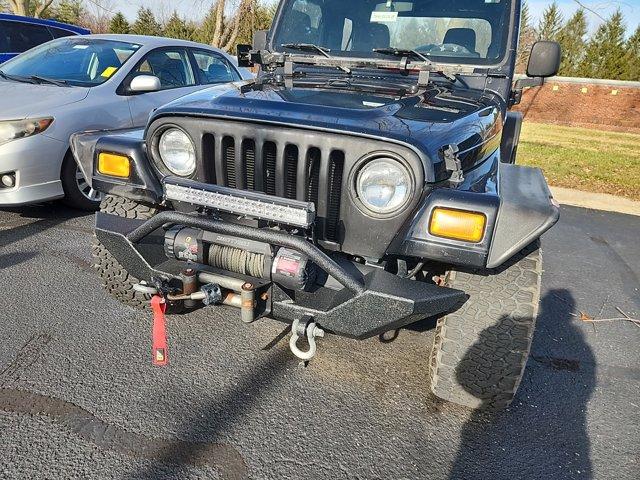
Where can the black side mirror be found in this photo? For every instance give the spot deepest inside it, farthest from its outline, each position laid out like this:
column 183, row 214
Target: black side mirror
column 544, row 60
column 244, row 55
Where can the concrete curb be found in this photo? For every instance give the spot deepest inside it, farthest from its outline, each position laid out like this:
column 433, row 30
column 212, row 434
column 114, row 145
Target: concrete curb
column 595, row 201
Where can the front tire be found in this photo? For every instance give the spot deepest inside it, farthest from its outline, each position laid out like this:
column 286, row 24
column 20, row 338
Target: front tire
column 117, row 281
column 481, row 350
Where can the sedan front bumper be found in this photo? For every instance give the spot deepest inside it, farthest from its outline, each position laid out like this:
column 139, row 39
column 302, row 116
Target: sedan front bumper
column 36, row 162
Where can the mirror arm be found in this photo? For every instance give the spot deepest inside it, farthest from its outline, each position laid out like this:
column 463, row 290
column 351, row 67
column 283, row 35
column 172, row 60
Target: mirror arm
column 521, row 84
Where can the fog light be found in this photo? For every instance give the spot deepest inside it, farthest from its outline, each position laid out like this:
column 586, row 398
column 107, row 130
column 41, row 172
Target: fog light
column 457, row 224
column 8, row 180
column 114, row 165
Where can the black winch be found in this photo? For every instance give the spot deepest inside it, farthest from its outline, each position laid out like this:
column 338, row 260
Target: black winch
column 288, row 268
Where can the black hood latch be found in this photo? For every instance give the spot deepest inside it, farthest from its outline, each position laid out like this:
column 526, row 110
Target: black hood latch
column 452, row 164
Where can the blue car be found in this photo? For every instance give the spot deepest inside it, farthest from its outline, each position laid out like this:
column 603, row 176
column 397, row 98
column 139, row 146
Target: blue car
column 19, row 34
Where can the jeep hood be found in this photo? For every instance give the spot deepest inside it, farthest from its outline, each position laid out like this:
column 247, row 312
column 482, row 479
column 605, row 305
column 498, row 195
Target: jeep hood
column 426, row 122
column 22, row 100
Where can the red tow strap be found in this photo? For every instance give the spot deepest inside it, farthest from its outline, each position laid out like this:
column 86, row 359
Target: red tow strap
column 159, row 348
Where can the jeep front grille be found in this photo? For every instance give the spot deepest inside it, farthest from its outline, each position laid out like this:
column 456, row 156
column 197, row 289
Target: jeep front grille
column 294, row 171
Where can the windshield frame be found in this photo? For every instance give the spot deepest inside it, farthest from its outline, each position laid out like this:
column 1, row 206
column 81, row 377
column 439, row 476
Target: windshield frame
column 136, row 47
column 502, row 65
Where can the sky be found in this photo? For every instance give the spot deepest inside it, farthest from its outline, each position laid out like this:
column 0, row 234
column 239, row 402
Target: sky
column 195, row 9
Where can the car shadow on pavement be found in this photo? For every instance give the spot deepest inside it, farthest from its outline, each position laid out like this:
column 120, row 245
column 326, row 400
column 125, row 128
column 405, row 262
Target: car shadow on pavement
column 32, row 220
column 542, row 435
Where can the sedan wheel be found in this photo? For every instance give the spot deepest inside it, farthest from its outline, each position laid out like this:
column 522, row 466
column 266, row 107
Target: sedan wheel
column 85, row 189
column 77, row 191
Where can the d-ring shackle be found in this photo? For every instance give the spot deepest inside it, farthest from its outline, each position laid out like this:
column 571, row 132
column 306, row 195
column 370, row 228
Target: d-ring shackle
column 307, row 329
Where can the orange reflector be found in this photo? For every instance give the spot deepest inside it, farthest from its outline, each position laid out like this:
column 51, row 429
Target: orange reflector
column 457, row 224
column 114, row 165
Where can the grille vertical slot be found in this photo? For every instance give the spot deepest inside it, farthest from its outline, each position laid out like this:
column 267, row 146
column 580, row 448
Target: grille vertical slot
column 209, row 157
column 313, row 160
column 290, row 171
column 269, row 152
column 249, row 160
column 229, row 159
column 334, row 193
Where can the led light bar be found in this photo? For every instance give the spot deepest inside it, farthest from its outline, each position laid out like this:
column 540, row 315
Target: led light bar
column 241, row 202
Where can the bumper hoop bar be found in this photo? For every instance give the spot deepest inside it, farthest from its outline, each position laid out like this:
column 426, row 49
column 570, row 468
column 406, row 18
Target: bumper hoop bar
column 351, row 283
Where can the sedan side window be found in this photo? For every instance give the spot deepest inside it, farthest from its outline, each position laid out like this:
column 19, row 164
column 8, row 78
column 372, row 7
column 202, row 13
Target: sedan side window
column 171, row 66
column 59, row 32
column 212, row 68
column 18, row 37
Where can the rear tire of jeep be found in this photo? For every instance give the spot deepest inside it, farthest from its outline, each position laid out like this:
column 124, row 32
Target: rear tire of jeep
column 117, row 281
column 480, row 351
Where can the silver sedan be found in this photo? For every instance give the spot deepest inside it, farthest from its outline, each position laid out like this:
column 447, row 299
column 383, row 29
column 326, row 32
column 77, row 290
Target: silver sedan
column 85, row 83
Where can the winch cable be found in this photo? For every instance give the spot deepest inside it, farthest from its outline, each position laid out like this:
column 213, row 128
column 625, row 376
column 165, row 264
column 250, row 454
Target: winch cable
column 236, row 260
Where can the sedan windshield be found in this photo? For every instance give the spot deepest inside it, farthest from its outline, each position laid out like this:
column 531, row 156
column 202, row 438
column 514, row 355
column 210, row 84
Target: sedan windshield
column 79, row 61
column 455, row 31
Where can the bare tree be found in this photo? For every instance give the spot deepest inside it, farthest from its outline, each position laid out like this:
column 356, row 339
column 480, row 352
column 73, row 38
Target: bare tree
column 98, row 15
column 226, row 30
column 30, row 7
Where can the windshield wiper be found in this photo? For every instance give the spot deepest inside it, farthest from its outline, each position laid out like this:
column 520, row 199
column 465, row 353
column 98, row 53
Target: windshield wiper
column 52, row 81
column 15, row 78
column 398, row 52
column 310, row 47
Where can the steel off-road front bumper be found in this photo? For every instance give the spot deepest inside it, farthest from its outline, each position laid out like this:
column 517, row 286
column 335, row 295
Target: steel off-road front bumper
column 367, row 304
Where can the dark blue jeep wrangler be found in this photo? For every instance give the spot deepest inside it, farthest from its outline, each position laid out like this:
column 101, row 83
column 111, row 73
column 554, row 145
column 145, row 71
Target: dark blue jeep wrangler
column 363, row 182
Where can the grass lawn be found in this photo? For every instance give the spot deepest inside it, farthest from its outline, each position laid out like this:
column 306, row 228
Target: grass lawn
column 584, row 159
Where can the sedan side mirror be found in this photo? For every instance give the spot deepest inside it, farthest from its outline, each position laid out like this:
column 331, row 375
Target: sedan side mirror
column 144, row 84
column 544, row 60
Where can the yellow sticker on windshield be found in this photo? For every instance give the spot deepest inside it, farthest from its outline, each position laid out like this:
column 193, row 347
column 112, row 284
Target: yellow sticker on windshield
column 109, row 71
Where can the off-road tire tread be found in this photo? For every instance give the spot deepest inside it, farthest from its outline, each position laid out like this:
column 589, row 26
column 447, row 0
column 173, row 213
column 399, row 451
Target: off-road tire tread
column 480, row 350
column 117, row 281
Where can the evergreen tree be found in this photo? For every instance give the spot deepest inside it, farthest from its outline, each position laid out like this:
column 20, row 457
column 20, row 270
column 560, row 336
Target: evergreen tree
column 572, row 40
column 631, row 59
column 526, row 39
column 119, row 24
column 605, row 54
column 146, row 23
column 204, row 34
column 177, row 27
column 69, row 11
column 550, row 23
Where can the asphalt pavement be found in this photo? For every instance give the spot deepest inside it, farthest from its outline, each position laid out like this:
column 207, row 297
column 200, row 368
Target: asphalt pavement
column 79, row 397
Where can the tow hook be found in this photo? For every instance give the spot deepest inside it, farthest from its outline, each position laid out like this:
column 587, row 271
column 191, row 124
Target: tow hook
column 305, row 327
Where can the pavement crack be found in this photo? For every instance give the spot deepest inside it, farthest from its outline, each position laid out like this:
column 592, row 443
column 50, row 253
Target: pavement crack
column 224, row 458
column 27, row 356
column 558, row 363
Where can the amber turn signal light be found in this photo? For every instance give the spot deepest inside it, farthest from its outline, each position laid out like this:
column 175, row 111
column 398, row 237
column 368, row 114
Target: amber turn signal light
column 114, row 165
column 457, row 224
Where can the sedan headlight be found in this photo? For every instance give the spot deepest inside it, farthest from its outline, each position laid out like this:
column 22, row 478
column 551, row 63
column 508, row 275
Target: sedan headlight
column 384, row 185
column 14, row 129
column 177, row 152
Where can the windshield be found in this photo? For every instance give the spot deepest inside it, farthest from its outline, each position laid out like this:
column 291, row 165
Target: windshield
column 454, row 31
column 77, row 61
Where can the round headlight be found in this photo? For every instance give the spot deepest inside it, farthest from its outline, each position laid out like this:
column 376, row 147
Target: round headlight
column 383, row 185
column 177, row 152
